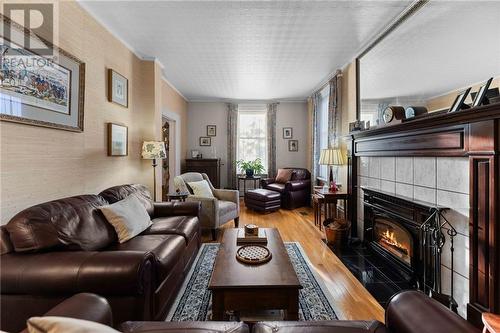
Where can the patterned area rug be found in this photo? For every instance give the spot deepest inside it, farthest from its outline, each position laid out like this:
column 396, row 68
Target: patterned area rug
column 194, row 299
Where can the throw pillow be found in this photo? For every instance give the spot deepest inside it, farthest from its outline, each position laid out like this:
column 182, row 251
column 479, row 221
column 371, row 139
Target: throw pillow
column 128, row 216
column 284, row 175
column 201, row 189
column 66, row 325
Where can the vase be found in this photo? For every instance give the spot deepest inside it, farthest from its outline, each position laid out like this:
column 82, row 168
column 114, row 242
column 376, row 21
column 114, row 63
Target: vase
column 249, row 173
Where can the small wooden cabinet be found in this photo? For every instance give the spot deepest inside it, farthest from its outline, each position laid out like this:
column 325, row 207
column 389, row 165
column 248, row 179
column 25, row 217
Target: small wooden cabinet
column 210, row 166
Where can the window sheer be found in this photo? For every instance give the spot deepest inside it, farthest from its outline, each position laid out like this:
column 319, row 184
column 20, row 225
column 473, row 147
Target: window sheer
column 252, row 133
column 322, row 127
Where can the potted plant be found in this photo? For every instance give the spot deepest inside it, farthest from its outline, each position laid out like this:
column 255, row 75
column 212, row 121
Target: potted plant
column 251, row 167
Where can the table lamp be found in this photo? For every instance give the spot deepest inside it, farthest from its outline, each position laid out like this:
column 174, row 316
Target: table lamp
column 331, row 157
column 151, row 150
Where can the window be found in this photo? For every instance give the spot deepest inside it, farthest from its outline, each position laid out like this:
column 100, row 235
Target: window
column 252, row 133
column 322, row 127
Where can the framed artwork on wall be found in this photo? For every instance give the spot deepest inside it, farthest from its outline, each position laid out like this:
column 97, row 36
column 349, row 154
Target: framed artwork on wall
column 205, row 141
column 50, row 93
column 293, row 145
column 287, row 133
column 117, row 88
column 117, row 140
column 211, row 130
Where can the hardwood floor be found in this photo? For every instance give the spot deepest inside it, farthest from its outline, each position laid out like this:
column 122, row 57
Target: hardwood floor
column 352, row 300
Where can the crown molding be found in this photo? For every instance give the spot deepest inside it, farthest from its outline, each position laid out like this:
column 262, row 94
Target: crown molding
column 173, row 87
column 247, row 101
column 136, row 52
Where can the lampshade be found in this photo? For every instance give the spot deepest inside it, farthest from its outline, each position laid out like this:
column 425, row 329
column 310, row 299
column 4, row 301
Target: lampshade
column 153, row 149
column 331, row 157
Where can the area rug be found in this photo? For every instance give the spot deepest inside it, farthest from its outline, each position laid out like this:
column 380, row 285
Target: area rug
column 193, row 302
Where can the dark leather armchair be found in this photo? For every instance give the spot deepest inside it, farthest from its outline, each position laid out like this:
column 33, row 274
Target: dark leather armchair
column 296, row 192
column 408, row 312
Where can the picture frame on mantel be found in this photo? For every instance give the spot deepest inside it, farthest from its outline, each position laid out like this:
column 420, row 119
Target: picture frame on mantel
column 51, row 94
column 117, row 88
column 117, row 140
column 459, row 102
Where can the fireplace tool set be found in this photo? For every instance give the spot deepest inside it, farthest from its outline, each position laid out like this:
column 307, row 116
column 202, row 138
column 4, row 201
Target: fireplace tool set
column 433, row 239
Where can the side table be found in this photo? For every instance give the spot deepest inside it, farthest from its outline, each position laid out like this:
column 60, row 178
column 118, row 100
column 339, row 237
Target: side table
column 177, row 196
column 255, row 179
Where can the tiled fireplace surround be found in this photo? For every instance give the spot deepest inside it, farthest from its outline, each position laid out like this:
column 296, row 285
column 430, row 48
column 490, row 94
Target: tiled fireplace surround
column 439, row 180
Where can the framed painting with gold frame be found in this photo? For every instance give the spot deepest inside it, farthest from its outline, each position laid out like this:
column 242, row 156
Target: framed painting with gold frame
column 50, row 92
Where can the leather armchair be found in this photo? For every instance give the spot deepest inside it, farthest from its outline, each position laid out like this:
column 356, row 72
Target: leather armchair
column 408, row 312
column 214, row 212
column 296, row 192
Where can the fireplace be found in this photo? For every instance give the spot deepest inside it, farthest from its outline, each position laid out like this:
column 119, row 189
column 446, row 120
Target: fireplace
column 394, row 238
column 392, row 230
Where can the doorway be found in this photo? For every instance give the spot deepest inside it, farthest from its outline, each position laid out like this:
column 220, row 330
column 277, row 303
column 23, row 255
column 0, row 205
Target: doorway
column 171, row 134
column 165, row 179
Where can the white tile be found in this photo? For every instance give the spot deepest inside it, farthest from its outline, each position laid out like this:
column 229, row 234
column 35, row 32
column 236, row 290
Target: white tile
column 388, row 186
column 374, row 183
column 458, row 215
column 361, row 210
column 453, row 174
column 404, row 170
column 364, row 166
column 388, row 168
column 424, row 171
column 460, row 254
column 362, row 181
column 374, row 167
column 404, row 190
column 424, row 194
column 461, row 289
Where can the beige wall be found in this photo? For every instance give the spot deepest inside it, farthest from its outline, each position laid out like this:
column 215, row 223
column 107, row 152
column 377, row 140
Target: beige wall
column 39, row 164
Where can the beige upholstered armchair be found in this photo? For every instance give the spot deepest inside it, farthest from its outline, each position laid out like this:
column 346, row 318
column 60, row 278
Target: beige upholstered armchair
column 215, row 212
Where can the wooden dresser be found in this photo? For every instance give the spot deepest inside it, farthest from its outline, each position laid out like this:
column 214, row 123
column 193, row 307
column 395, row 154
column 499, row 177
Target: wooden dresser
column 210, row 166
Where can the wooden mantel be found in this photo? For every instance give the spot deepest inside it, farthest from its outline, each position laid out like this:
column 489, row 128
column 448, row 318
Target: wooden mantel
column 472, row 133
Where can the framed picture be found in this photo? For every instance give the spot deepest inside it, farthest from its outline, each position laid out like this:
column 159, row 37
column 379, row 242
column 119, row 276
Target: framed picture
column 287, row 133
column 117, row 140
column 195, row 153
column 205, row 141
column 481, row 93
column 458, row 104
column 117, row 88
column 211, row 130
column 49, row 94
column 293, row 145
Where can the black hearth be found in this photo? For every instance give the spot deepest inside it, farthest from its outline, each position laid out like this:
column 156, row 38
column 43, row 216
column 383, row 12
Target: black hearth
column 403, row 243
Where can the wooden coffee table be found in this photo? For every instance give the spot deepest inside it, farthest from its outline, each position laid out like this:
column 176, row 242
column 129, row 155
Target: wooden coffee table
column 241, row 287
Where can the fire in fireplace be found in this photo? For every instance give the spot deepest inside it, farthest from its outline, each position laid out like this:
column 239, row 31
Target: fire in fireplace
column 393, row 239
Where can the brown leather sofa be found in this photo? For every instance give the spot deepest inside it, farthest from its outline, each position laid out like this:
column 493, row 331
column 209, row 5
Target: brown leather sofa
column 57, row 249
column 408, row 312
column 296, row 192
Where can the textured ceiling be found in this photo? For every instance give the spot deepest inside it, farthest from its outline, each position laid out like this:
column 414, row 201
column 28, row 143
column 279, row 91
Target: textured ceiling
column 247, row 50
column 445, row 46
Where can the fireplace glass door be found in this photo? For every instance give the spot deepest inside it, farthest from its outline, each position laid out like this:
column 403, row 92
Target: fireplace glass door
column 394, row 239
